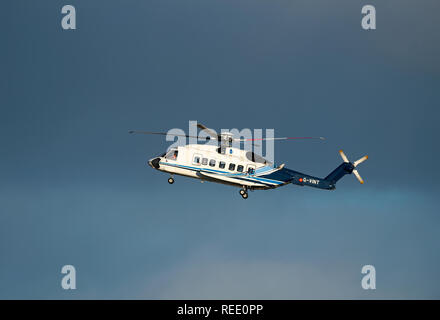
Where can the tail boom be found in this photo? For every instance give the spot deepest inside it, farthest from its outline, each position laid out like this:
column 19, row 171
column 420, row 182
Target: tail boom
column 343, row 169
column 329, row 182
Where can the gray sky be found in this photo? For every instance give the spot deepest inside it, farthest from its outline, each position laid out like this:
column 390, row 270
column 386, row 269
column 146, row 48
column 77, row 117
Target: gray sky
column 75, row 188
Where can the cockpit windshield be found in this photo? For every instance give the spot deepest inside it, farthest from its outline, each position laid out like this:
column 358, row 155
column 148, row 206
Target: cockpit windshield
column 172, row 154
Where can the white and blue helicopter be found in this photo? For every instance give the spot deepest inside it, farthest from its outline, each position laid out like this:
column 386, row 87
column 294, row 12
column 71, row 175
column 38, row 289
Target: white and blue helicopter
column 228, row 165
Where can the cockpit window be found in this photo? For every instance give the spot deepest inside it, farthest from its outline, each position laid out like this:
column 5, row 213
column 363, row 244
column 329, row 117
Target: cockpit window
column 172, row 154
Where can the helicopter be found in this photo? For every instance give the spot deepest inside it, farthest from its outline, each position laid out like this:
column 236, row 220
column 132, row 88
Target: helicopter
column 245, row 169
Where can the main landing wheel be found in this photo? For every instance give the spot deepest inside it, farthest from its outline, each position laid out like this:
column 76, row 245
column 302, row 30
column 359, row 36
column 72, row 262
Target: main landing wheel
column 170, row 180
column 242, row 191
column 244, row 195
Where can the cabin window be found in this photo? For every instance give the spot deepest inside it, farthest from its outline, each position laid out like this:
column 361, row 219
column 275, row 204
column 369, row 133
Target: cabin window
column 212, row 163
column 250, row 169
column 172, row 154
column 197, row 159
column 205, row 161
column 222, row 165
column 240, row 168
column 232, row 166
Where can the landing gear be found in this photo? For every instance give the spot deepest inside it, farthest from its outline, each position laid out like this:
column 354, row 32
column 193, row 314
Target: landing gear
column 170, row 180
column 243, row 193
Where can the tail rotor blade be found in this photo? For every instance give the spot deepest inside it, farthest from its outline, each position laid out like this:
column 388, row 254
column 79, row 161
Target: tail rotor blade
column 358, row 176
column 357, row 162
column 343, row 156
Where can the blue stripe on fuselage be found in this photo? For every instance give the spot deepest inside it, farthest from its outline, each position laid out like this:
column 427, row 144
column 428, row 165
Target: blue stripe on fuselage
column 241, row 176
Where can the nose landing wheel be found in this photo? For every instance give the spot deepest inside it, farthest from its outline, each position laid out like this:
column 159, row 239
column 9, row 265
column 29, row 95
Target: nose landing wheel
column 170, row 180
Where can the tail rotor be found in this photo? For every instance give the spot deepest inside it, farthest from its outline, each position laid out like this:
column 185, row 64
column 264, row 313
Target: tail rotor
column 354, row 165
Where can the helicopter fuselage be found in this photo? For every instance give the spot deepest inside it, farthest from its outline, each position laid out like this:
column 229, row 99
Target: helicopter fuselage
column 231, row 166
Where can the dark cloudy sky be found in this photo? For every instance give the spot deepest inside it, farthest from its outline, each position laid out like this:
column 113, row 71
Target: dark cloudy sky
column 75, row 188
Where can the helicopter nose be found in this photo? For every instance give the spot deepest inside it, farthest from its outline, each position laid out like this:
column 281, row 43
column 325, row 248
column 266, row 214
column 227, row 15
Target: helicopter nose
column 154, row 163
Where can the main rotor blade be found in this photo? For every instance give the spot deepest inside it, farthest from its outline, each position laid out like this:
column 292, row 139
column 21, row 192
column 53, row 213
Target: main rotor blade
column 343, row 156
column 166, row 134
column 357, row 162
column 356, row 173
column 279, row 138
column 208, row 131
